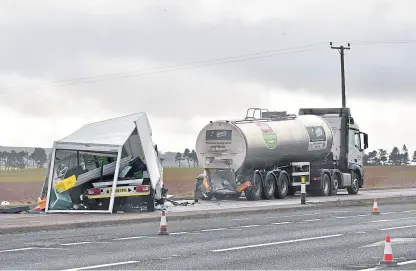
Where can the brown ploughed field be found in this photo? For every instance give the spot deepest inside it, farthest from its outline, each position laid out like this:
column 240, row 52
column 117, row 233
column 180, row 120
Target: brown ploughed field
column 25, row 185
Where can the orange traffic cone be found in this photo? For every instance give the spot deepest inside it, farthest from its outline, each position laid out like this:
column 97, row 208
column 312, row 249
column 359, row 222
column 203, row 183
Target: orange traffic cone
column 163, row 225
column 388, row 253
column 375, row 208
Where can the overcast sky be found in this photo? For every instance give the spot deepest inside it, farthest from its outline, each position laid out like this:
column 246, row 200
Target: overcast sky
column 47, row 46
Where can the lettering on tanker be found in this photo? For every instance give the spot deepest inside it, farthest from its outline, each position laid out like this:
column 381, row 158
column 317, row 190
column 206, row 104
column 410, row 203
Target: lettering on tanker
column 217, row 140
column 269, row 136
column 317, row 138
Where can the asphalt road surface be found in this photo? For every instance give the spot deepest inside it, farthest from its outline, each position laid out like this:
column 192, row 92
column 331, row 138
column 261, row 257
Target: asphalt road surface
column 321, row 239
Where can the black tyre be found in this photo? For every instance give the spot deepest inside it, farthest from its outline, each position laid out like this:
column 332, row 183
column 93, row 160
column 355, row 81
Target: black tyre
column 326, row 185
column 282, row 187
column 269, row 187
column 334, row 185
column 355, row 184
column 254, row 192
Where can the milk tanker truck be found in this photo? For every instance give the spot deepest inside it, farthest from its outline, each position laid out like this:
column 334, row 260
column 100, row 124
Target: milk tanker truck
column 266, row 154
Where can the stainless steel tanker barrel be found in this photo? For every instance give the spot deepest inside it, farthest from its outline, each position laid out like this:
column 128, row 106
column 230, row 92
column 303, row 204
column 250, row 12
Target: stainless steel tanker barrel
column 262, row 143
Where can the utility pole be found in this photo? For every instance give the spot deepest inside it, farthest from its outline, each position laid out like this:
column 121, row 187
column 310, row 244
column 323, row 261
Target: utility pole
column 341, row 52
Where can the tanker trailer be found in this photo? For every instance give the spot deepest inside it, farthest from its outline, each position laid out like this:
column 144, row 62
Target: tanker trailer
column 266, row 157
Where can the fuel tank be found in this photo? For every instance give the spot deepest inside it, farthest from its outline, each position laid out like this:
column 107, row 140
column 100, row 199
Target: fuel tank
column 263, row 143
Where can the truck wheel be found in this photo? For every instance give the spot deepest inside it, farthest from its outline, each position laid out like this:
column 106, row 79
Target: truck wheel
column 254, row 192
column 334, row 185
column 326, row 185
column 355, row 184
column 269, row 187
column 282, row 187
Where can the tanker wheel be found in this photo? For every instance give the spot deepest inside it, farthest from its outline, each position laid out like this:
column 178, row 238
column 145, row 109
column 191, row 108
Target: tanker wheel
column 269, row 187
column 282, row 186
column 326, row 185
column 334, row 185
column 254, row 192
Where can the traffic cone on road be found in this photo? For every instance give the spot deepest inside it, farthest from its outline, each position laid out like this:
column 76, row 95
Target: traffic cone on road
column 163, row 230
column 375, row 208
column 388, row 253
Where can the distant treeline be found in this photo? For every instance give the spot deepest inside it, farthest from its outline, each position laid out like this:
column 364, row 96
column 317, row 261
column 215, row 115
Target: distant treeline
column 23, row 159
column 39, row 157
column 396, row 157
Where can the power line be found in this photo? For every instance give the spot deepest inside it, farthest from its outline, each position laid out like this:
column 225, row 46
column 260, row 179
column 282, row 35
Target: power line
column 200, row 64
column 183, row 66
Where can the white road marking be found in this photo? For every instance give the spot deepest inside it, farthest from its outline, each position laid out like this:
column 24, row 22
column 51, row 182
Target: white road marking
column 363, row 215
column 274, row 217
column 341, row 217
column 396, row 228
column 101, row 266
column 129, row 238
column 250, row 226
column 369, row 269
column 312, row 220
column 409, row 211
column 389, row 213
column 382, row 220
column 17, row 249
column 407, row 262
column 361, row 232
column 218, row 229
column 277, row 243
column 74, row 244
column 177, row 233
column 281, row 223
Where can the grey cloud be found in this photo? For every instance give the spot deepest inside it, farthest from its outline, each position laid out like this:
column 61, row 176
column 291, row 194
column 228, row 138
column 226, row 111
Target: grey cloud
column 58, row 46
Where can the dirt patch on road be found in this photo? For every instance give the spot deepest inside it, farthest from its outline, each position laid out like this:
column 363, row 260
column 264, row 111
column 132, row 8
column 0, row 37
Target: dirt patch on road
column 181, row 181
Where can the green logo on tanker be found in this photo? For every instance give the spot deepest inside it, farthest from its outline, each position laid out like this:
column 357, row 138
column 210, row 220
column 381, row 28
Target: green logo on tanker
column 269, row 136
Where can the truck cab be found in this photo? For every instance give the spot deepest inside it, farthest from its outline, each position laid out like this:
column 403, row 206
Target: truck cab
column 348, row 147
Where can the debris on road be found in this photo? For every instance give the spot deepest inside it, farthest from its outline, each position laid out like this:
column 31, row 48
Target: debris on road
column 13, row 209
